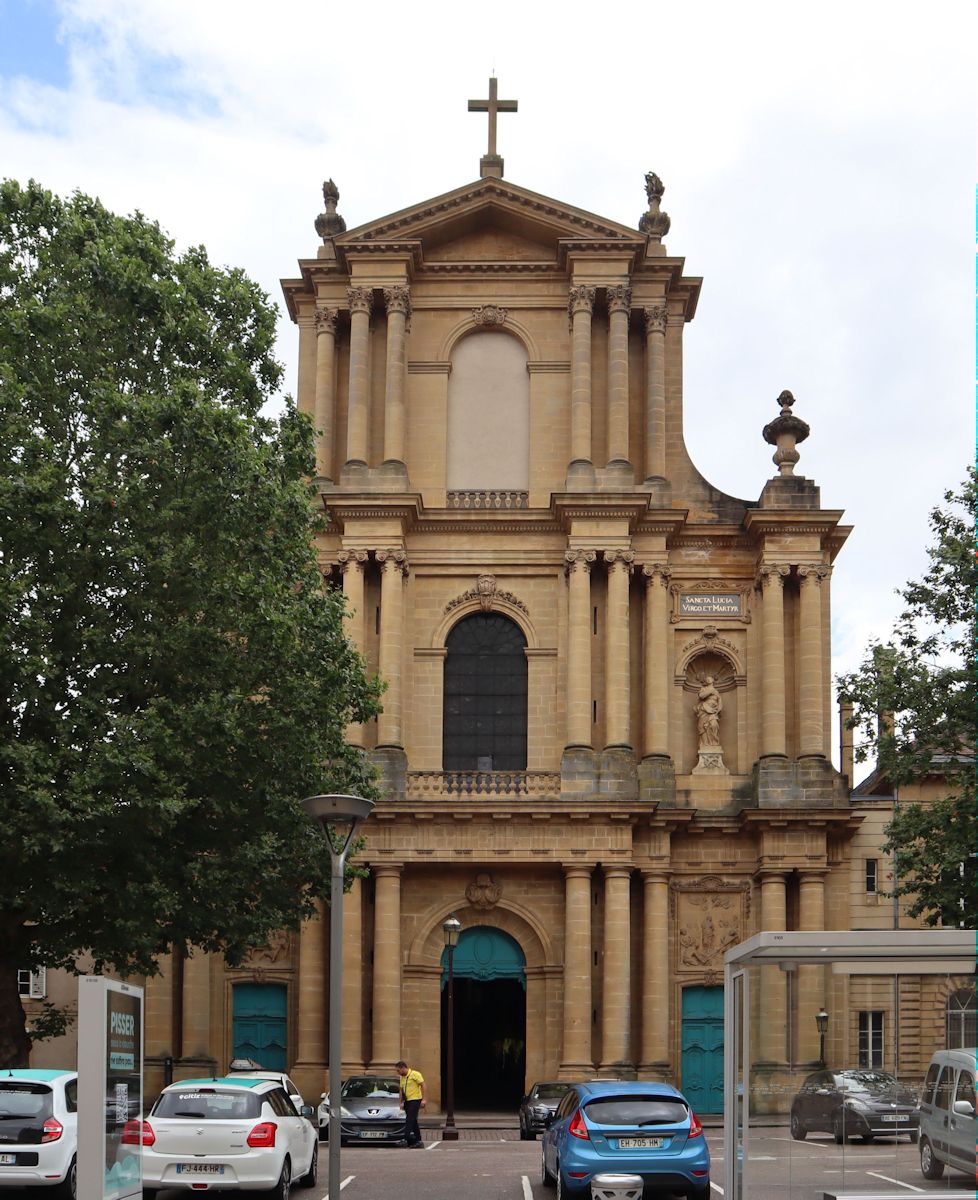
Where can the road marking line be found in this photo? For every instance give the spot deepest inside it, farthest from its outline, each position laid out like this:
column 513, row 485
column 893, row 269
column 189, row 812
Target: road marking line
column 432, row 1145
column 527, row 1192
column 898, row 1182
column 716, row 1187
column 349, row 1179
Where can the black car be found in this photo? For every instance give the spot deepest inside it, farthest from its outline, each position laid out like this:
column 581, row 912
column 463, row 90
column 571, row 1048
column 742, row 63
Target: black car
column 862, row 1103
column 539, row 1104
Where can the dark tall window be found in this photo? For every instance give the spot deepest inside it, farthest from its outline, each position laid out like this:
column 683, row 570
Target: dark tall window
column 485, row 696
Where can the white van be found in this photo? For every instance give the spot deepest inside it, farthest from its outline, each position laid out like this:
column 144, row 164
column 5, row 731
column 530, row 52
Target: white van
column 948, row 1127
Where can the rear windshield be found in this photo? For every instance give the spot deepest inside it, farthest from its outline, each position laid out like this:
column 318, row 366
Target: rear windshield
column 208, row 1105
column 636, row 1110
column 550, row 1091
column 24, row 1107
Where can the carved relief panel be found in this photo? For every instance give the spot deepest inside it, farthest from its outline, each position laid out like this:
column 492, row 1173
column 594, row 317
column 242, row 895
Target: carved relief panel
column 709, row 915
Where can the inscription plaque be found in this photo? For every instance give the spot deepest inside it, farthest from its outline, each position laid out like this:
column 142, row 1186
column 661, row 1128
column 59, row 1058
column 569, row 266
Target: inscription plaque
column 711, row 604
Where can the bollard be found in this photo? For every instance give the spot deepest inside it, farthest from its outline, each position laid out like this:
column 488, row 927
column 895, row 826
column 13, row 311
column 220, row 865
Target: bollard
column 617, row 1187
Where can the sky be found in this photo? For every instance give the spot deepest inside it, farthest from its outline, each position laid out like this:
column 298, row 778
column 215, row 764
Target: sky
column 818, row 162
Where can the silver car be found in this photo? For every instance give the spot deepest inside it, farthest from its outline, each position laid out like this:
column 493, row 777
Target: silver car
column 948, row 1127
column 370, row 1110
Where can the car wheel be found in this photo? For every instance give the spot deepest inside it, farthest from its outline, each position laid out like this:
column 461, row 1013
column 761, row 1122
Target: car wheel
column 564, row 1192
column 700, row 1193
column 798, row 1131
column 838, row 1129
column 866, row 1138
column 525, row 1135
column 930, row 1167
column 546, row 1178
column 284, row 1186
column 66, row 1189
column 914, row 1134
column 309, row 1179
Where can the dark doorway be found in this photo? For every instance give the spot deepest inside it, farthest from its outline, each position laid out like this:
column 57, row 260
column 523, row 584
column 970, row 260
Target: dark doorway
column 490, row 1043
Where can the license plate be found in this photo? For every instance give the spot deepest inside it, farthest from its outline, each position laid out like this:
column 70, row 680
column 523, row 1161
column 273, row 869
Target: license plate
column 7, row 1160
column 894, row 1117
column 372, row 1133
column 641, row 1143
column 199, row 1169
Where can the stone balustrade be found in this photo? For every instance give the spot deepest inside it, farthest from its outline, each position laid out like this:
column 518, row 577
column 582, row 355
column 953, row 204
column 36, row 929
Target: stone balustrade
column 487, row 498
column 429, row 785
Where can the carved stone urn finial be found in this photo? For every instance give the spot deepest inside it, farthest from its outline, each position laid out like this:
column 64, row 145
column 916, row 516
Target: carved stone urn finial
column 785, row 432
column 654, row 223
column 330, row 223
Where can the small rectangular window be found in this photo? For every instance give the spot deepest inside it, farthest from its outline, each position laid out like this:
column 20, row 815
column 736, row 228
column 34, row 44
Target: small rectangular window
column 872, row 876
column 32, row 984
column 594, row 712
column 377, row 620
column 871, row 1039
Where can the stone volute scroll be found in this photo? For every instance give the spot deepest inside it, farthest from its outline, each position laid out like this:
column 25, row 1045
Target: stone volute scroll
column 785, row 432
column 489, row 315
column 483, row 893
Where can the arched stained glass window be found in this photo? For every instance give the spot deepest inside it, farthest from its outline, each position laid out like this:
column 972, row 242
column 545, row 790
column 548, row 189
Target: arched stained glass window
column 485, row 696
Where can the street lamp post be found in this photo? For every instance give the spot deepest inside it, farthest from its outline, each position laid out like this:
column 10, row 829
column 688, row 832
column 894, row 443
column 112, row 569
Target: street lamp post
column 451, row 928
column 822, row 1022
column 339, row 817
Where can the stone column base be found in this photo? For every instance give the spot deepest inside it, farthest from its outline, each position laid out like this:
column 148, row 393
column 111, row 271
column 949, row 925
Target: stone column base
column 808, row 783
column 390, row 476
column 617, row 779
column 657, row 1072
column 391, row 763
column 580, row 476
column 575, row 1071
column 578, row 773
column 619, row 1070
column 657, row 781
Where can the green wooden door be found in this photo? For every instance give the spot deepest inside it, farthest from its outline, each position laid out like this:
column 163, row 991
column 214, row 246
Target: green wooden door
column 702, row 1060
column 260, row 1027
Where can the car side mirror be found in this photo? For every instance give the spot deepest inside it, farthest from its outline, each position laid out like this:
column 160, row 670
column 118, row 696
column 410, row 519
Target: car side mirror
column 548, row 1120
column 964, row 1108
column 307, row 1110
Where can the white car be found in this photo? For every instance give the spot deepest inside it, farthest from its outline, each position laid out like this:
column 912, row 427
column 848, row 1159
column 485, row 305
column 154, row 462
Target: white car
column 39, row 1130
column 279, row 1076
column 230, row 1133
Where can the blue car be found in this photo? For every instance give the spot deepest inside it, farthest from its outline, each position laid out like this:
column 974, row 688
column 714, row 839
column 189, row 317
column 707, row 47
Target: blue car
column 626, row 1127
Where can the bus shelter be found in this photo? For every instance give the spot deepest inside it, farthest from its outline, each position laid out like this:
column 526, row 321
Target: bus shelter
column 808, row 1014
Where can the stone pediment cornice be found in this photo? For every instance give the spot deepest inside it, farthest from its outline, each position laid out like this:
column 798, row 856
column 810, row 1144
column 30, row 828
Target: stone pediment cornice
column 562, row 219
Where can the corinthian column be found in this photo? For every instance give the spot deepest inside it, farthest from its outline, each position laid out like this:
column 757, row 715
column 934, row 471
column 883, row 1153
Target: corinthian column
column 387, row 968
column 617, row 992
column 655, row 971
column 773, row 741
column 580, row 306
column 812, row 731
column 577, row 1060
column 656, row 319
column 361, row 302
column 352, row 564
column 617, row 661
column 619, row 307
column 325, row 389
column 398, row 301
column 655, row 740
column 578, row 568
column 393, row 565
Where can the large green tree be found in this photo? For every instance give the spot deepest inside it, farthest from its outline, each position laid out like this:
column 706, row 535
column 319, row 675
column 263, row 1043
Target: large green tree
column 173, row 673
column 914, row 698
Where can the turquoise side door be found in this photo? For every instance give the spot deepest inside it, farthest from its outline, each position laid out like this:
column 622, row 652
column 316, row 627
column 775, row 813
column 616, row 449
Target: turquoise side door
column 260, row 1027
column 702, row 1048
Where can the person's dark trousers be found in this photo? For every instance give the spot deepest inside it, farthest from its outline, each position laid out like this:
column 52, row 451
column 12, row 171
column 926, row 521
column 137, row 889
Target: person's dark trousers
column 412, row 1134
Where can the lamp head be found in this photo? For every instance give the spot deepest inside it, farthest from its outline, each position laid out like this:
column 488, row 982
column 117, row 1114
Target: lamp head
column 822, row 1020
column 451, row 927
column 337, row 810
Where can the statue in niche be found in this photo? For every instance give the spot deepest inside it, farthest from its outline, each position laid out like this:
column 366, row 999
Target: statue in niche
column 708, row 708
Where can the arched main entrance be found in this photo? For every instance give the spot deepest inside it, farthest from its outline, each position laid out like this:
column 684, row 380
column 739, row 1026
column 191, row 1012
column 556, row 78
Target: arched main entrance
column 490, row 1020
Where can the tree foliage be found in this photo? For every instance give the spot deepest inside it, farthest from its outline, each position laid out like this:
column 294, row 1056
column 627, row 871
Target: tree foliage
column 173, row 673
column 922, row 682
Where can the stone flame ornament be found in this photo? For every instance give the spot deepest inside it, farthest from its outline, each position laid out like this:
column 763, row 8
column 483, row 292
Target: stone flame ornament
column 654, row 223
column 785, row 432
column 330, row 223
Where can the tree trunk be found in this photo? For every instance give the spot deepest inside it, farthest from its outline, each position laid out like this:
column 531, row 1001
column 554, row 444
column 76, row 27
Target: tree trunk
column 15, row 1042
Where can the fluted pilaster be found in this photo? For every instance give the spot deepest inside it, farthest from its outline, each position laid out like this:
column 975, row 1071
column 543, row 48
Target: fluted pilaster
column 387, row 967
column 617, row 661
column 361, row 302
column 656, row 674
column 352, row 566
column 619, row 306
column 774, row 991
column 655, row 969
column 656, row 320
column 398, row 301
column 577, row 1058
column 325, row 415
column 580, row 307
column 810, row 684
column 773, row 737
column 617, row 990
column 394, row 567
column 578, row 568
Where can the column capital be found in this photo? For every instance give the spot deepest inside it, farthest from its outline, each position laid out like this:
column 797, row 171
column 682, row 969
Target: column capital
column 771, row 875
column 386, row 869
column 656, row 573
column 619, row 297
column 577, row 870
column 325, row 319
column 654, row 875
column 393, row 559
column 620, row 558
column 398, row 299
column 617, row 870
column 581, row 299
column 771, row 574
column 656, row 318
column 578, row 558
column 361, row 299
column 351, row 558
column 813, row 875
column 813, row 573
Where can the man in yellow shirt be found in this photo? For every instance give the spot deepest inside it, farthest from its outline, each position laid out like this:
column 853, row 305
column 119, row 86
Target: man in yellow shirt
column 412, row 1100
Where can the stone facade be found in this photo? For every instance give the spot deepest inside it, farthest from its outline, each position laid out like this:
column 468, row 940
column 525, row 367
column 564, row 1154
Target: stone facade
column 496, row 378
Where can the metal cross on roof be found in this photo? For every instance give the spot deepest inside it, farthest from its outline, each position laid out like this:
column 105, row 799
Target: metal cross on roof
column 492, row 106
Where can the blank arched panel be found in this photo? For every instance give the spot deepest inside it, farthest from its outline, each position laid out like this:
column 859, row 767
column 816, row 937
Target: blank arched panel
column 488, row 414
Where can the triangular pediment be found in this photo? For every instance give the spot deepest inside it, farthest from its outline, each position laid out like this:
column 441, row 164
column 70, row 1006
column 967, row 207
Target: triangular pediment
column 489, row 218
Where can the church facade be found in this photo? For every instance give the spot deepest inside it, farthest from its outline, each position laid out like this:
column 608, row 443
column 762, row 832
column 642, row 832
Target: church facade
column 605, row 742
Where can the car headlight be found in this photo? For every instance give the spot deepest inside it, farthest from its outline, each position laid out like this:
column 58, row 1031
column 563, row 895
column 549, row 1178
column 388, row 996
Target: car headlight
column 540, row 1110
column 859, row 1106
column 345, row 1112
